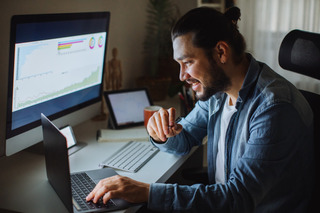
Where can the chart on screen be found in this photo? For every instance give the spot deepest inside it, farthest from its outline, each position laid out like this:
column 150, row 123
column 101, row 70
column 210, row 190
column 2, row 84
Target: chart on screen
column 43, row 68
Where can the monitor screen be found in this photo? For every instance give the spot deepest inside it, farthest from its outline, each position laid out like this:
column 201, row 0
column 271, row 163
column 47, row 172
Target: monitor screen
column 56, row 67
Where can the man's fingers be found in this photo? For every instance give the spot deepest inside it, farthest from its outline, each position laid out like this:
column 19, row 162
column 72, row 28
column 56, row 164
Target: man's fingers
column 164, row 116
column 99, row 190
column 176, row 129
column 89, row 197
column 162, row 125
column 109, row 195
column 153, row 129
column 92, row 194
column 106, row 197
column 159, row 128
column 172, row 116
column 99, row 194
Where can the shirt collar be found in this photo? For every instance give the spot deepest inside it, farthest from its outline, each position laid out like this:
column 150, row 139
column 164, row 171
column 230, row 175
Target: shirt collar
column 249, row 80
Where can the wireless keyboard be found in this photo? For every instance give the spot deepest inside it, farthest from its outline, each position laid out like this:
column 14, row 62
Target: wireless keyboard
column 131, row 157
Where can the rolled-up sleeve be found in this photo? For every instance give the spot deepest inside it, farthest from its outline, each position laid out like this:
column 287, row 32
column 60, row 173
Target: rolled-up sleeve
column 273, row 169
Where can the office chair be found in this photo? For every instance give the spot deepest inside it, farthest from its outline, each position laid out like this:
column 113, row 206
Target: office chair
column 300, row 52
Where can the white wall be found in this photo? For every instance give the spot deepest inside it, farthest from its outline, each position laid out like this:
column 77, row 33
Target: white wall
column 127, row 31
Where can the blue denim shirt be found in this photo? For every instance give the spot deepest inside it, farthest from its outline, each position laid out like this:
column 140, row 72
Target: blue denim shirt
column 268, row 153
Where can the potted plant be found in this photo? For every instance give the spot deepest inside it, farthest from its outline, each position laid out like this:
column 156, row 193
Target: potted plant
column 161, row 69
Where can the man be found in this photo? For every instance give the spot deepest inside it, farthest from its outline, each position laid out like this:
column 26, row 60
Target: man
column 259, row 128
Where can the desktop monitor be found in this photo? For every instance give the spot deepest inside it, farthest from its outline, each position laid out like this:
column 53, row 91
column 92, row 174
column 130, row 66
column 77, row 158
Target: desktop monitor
column 56, row 64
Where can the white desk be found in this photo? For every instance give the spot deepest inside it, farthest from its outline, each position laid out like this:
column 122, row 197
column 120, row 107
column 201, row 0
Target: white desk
column 23, row 182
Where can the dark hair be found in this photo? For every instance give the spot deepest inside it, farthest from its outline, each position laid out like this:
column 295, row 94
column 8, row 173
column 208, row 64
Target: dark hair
column 210, row 26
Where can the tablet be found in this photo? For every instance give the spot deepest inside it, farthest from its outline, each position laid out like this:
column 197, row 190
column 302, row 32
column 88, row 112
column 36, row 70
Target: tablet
column 72, row 144
column 126, row 107
column 68, row 133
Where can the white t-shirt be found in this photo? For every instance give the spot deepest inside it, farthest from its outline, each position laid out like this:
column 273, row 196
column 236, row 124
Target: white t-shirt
column 227, row 112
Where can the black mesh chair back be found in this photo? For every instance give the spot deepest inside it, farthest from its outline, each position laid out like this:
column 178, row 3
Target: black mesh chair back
column 300, row 52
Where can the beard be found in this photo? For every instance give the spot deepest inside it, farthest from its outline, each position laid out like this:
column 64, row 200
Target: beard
column 216, row 81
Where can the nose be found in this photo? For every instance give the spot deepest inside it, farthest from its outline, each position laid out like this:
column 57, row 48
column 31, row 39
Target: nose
column 183, row 74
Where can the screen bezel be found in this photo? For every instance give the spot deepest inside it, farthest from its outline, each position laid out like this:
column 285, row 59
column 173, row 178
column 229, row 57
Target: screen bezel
column 41, row 18
column 112, row 118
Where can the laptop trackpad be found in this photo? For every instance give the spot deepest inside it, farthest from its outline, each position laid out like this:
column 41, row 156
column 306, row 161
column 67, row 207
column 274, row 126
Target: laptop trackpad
column 97, row 175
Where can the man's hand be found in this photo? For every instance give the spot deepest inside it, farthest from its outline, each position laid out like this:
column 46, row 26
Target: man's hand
column 120, row 187
column 162, row 125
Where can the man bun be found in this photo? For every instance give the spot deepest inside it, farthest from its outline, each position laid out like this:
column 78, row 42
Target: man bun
column 233, row 14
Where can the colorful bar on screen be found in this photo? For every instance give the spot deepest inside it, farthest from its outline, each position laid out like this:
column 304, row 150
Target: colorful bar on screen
column 68, row 44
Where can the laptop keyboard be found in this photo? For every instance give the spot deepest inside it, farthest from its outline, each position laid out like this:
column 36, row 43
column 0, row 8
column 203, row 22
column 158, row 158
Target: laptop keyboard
column 131, row 157
column 82, row 185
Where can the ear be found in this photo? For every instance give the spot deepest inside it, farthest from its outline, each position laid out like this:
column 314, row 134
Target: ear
column 223, row 51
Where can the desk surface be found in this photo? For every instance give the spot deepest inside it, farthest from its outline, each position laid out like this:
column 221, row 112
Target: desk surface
column 23, row 182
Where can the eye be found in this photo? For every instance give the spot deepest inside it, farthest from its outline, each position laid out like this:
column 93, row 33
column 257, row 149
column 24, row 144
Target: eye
column 187, row 63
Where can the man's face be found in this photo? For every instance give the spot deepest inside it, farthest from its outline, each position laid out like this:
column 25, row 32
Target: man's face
column 201, row 72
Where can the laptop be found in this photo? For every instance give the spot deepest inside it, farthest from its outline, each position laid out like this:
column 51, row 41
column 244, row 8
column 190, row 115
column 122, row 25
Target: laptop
column 64, row 183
